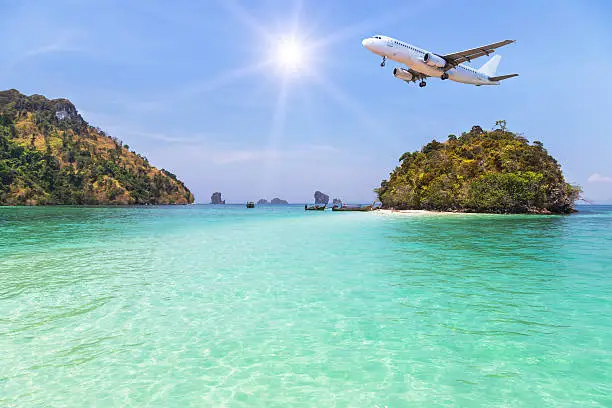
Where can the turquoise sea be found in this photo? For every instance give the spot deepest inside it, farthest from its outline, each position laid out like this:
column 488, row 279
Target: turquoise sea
column 221, row 306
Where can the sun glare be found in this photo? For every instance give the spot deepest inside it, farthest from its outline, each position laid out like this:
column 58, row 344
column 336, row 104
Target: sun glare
column 290, row 56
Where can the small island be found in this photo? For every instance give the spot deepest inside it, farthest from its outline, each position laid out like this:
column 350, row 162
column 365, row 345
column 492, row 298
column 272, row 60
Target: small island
column 215, row 198
column 321, row 198
column 494, row 171
column 49, row 155
column 274, row 201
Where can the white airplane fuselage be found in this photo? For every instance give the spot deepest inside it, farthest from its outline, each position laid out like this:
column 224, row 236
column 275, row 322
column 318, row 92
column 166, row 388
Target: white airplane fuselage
column 413, row 57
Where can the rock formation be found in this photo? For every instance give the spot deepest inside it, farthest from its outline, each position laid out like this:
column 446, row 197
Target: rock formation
column 337, row 201
column 262, row 201
column 216, row 198
column 49, row 155
column 494, row 171
column 277, row 201
column 321, row 198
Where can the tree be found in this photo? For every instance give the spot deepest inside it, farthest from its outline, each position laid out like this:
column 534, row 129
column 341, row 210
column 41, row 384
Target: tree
column 76, row 164
column 494, row 171
column 477, row 130
column 501, row 125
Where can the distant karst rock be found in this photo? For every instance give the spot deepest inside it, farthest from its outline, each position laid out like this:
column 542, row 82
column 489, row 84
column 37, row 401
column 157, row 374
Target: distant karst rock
column 263, row 201
column 337, row 201
column 277, row 201
column 215, row 198
column 321, row 198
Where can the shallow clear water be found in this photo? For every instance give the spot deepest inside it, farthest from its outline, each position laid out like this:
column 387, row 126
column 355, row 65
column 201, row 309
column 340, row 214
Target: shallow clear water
column 277, row 307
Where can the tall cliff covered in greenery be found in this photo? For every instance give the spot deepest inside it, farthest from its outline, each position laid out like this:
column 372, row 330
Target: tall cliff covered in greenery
column 50, row 155
column 481, row 171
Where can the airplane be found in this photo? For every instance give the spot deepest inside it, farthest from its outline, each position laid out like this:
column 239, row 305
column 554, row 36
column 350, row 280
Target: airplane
column 423, row 64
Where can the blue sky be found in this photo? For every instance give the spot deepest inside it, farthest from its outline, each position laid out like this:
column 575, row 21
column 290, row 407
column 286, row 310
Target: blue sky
column 194, row 85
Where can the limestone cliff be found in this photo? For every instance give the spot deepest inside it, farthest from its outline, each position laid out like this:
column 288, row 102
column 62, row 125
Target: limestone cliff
column 493, row 171
column 215, row 198
column 50, row 155
column 321, row 198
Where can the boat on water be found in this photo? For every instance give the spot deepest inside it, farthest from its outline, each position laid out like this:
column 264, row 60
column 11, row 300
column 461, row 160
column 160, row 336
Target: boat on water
column 352, row 208
column 316, row 207
column 250, row 204
column 345, row 207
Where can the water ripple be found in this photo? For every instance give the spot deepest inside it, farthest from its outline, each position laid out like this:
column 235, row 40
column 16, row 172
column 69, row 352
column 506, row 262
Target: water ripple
column 209, row 306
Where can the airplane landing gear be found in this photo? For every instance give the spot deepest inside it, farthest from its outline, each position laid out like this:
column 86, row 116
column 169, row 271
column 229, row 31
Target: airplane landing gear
column 422, row 84
column 382, row 64
column 444, row 76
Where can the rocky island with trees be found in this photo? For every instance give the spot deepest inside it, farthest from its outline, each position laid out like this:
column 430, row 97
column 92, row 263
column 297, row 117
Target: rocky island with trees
column 50, row 155
column 274, row 201
column 495, row 171
column 216, row 199
column 321, row 198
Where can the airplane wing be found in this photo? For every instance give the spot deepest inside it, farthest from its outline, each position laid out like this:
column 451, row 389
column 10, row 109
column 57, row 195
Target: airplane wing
column 501, row 78
column 457, row 58
column 416, row 75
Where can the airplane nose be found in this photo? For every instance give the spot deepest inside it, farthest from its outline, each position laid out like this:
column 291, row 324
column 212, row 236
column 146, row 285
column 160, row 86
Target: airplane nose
column 364, row 42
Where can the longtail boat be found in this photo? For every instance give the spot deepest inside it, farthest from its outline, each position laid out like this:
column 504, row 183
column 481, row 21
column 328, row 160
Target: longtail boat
column 316, row 207
column 348, row 208
column 250, row 204
column 353, row 208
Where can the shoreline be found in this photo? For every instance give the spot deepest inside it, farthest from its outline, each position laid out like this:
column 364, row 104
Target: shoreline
column 413, row 213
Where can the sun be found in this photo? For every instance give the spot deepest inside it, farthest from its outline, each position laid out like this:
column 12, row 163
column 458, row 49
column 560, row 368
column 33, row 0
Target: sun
column 290, row 56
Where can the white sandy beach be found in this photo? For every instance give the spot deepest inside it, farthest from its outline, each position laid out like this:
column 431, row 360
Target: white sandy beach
column 414, row 213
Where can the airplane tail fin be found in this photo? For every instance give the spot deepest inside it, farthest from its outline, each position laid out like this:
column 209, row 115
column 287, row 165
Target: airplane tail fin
column 490, row 67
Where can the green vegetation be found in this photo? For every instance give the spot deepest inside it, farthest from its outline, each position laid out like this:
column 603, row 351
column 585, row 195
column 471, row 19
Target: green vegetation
column 481, row 171
column 50, row 155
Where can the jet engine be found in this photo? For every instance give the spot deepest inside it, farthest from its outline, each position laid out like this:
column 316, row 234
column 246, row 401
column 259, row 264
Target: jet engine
column 403, row 74
column 434, row 60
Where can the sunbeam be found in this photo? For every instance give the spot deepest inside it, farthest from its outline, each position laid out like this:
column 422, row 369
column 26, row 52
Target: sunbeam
column 347, row 102
column 291, row 56
column 241, row 14
column 353, row 31
column 225, row 79
column 276, row 132
column 297, row 10
column 294, row 57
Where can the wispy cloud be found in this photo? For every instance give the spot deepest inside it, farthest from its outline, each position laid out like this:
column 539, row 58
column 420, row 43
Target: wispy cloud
column 63, row 43
column 195, row 139
column 598, row 178
column 222, row 80
column 56, row 46
column 205, row 146
column 230, row 155
column 224, row 155
column 130, row 132
column 245, row 17
column 205, row 149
